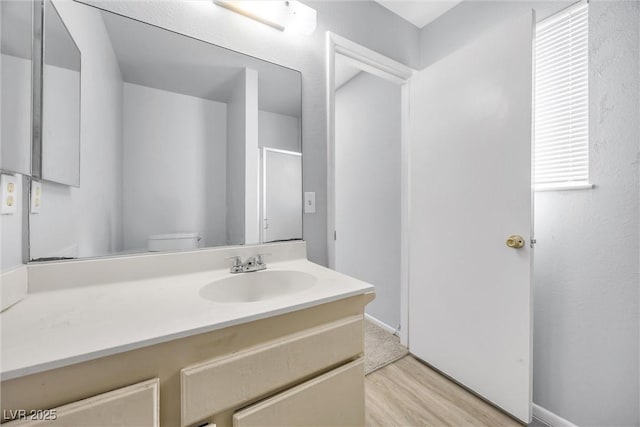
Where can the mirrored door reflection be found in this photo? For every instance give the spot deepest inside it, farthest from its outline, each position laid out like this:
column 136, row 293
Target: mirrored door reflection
column 16, row 80
column 60, row 102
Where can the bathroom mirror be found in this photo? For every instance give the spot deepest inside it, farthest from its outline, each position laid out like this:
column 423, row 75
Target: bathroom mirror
column 16, row 33
column 60, row 153
column 177, row 136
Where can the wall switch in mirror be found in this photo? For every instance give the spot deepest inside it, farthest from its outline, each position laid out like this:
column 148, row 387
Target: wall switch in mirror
column 36, row 196
column 9, row 193
column 309, row 202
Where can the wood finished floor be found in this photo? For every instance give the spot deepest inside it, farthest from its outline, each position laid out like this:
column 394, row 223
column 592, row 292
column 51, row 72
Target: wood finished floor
column 409, row 393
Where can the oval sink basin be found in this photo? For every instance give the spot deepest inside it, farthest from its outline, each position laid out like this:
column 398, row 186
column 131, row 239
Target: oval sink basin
column 257, row 286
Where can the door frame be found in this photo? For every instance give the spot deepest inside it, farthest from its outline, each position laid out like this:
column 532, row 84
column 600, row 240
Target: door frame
column 386, row 68
column 263, row 182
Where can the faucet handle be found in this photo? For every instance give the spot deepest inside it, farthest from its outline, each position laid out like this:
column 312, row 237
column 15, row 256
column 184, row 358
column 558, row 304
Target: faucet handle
column 237, row 263
column 258, row 257
column 236, row 259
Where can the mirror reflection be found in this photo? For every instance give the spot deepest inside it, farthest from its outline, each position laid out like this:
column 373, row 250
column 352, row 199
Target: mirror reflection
column 184, row 145
column 16, row 34
column 60, row 102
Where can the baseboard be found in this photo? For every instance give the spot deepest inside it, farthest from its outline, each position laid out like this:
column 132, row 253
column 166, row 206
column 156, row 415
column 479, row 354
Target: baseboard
column 549, row 417
column 380, row 323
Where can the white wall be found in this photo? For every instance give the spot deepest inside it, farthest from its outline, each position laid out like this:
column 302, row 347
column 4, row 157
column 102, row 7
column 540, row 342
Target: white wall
column 368, row 189
column 236, row 147
column 174, row 166
column 251, row 161
column 279, row 131
column 243, row 161
column 392, row 36
column 89, row 217
column 11, row 232
column 587, row 259
column 16, row 127
column 61, row 125
column 16, row 113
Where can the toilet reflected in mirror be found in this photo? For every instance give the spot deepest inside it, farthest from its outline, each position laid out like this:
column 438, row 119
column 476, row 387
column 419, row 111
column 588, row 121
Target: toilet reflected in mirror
column 173, row 136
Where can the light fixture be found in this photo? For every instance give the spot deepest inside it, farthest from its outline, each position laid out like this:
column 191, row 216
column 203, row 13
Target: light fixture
column 290, row 16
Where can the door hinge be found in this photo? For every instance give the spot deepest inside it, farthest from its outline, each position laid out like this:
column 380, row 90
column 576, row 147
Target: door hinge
column 335, row 235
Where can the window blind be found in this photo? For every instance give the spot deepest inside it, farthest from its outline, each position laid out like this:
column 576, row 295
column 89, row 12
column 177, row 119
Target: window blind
column 561, row 113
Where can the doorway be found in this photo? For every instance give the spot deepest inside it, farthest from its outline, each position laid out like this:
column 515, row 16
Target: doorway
column 368, row 157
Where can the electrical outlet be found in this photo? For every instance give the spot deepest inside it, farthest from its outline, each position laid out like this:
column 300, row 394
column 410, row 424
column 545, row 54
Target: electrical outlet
column 9, row 192
column 36, row 196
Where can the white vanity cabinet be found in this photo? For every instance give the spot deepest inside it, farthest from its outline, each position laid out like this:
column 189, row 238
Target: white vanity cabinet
column 298, row 368
column 231, row 382
column 332, row 399
column 132, row 406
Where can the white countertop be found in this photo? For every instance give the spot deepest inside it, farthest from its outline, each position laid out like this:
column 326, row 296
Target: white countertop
column 61, row 327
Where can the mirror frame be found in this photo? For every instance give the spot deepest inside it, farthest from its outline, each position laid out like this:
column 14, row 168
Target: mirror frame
column 40, row 43
column 36, row 52
column 37, row 128
column 36, row 91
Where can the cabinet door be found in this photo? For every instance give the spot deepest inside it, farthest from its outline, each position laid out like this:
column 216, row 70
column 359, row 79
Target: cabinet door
column 333, row 399
column 133, row 406
column 229, row 382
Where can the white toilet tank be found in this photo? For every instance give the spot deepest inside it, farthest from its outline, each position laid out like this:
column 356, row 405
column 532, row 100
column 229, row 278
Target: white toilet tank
column 172, row 242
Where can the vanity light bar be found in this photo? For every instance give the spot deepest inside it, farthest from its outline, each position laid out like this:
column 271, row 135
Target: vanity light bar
column 290, row 16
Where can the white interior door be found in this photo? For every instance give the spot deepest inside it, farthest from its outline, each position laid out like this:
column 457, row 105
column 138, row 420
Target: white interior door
column 470, row 294
column 281, row 195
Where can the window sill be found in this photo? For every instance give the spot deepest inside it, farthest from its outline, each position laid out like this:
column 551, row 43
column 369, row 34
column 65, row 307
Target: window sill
column 563, row 187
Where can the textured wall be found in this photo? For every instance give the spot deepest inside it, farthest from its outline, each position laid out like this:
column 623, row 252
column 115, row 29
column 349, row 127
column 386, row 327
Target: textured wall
column 586, row 267
column 586, row 264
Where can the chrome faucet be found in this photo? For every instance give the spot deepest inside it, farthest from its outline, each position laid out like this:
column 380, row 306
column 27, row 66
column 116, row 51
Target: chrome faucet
column 254, row 263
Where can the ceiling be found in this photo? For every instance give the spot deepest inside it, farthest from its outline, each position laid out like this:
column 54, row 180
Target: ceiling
column 161, row 59
column 419, row 12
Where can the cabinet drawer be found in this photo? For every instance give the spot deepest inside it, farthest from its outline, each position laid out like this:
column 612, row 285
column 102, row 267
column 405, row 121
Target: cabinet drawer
column 132, row 406
column 229, row 382
column 333, row 399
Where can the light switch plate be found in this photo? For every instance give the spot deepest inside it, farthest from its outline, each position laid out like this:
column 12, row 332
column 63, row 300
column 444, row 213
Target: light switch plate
column 9, row 192
column 309, row 202
column 36, row 197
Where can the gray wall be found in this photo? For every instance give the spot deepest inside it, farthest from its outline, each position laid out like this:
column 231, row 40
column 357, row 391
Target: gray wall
column 11, row 233
column 586, row 270
column 366, row 23
column 368, row 201
column 464, row 22
column 17, row 114
column 96, row 225
column 236, row 154
column 278, row 131
column 587, row 258
column 187, row 136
